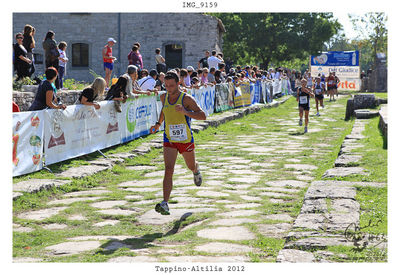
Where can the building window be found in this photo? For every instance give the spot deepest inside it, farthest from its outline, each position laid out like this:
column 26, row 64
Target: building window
column 38, row 58
column 173, row 56
column 80, row 55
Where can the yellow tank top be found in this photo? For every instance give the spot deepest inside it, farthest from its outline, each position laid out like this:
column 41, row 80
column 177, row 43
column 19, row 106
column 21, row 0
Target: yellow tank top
column 177, row 125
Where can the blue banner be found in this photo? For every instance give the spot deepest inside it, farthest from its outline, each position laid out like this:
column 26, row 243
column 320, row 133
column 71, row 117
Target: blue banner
column 336, row 58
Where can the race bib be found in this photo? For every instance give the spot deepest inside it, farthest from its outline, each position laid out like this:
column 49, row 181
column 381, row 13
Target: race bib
column 330, row 81
column 317, row 91
column 303, row 100
column 177, row 132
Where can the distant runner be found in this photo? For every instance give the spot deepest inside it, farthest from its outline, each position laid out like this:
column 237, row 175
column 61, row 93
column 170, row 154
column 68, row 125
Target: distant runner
column 303, row 97
column 178, row 109
column 331, row 85
column 336, row 81
column 319, row 89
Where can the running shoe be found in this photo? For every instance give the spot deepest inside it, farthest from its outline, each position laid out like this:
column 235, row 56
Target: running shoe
column 162, row 208
column 198, row 179
column 317, row 114
column 305, row 130
column 300, row 122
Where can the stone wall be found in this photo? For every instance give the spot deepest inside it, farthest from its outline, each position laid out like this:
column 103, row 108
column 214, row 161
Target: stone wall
column 196, row 32
column 25, row 99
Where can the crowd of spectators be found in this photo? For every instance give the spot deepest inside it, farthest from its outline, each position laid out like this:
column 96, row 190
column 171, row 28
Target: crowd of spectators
column 212, row 69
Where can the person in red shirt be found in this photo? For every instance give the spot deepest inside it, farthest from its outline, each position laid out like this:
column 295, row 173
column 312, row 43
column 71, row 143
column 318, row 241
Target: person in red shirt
column 331, row 86
column 15, row 107
column 108, row 60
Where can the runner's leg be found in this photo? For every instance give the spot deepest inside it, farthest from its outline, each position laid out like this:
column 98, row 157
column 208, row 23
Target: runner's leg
column 306, row 117
column 190, row 159
column 107, row 77
column 170, row 155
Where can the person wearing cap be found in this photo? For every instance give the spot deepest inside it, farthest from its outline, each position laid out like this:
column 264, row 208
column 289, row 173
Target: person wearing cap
column 108, row 59
column 148, row 83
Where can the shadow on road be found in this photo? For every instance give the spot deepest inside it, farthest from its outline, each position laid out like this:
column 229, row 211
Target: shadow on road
column 144, row 241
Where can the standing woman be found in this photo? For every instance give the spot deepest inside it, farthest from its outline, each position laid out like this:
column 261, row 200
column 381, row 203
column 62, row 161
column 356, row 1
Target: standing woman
column 319, row 89
column 46, row 94
column 303, row 97
column 29, row 44
column 22, row 63
column 92, row 92
column 51, row 53
column 309, row 80
column 160, row 62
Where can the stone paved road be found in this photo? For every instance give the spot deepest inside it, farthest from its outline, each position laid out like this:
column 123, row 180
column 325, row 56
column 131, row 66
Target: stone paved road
column 253, row 190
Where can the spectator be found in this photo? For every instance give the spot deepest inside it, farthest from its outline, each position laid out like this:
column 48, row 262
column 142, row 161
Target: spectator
column 133, row 57
column 220, row 56
column 229, row 64
column 15, row 107
column 108, row 59
column 145, row 73
column 62, row 62
column 148, row 83
column 29, row 45
column 46, row 94
column 204, row 77
column 195, row 83
column 190, row 70
column 51, row 53
column 117, row 93
column 218, row 77
column 160, row 62
column 221, row 67
column 203, row 62
column 213, row 60
column 182, row 75
column 21, row 61
column 229, row 79
column 160, row 82
column 238, row 69
column 133, row 88
column 140, row 68
column 92, row 92
column 211, row 78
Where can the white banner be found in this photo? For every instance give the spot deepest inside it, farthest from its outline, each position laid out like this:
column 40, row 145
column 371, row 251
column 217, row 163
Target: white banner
column 27, row 151
column 205, row 97
column 80, row 130
column 344, row 72
column 138, row 115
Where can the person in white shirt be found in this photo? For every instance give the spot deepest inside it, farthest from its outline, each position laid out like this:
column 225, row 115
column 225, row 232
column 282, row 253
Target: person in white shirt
column 148, row 83
column 62, row 62
column 213, row 60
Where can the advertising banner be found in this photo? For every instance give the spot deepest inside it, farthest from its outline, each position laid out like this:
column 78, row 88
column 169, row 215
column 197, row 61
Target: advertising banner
column 224, row 97
column 255, row 91
column 336, row 58
column 80, row 130
column 340, row 71
column 138, row 115
column 27, row 139
column 242, row 96
column 205, row 97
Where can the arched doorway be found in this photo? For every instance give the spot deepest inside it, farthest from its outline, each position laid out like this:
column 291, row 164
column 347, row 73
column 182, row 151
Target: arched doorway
column 173, row 56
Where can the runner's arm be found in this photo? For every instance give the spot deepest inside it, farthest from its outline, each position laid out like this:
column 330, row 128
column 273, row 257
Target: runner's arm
column 191, row 108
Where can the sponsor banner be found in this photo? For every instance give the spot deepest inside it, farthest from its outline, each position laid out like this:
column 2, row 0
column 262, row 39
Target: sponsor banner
column 27, row 139
column 276, row 87
column 224, row 97
column 138, row 115
column 242, row 96
column 205, row 98
column 349, row 84
column 340, row 71
column 255, row 92
column 80, row 130
column 336, row 58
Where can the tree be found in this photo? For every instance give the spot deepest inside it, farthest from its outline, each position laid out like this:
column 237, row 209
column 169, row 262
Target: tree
column 372, row 27
column 275, row 37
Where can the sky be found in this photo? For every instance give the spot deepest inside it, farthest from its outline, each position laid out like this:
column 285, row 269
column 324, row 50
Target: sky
column 343, row 18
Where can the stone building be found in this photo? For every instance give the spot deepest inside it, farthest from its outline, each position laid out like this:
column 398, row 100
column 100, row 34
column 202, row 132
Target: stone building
column 182, row 38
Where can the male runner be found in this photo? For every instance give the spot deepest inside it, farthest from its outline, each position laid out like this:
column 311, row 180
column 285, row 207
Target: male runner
column 319, row 89
column 303, row 97
column 178, row 109
column 336, row 81
column 331, row 85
